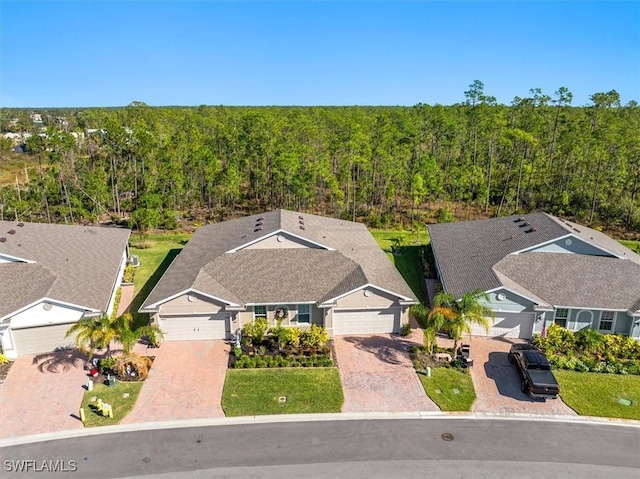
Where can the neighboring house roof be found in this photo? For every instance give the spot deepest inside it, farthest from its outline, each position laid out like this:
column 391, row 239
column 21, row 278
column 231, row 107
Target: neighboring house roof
column 72, row 264
column 575, row 279
column 466, row 251
column 342, row 256
column 598, row 238
column 478, row 255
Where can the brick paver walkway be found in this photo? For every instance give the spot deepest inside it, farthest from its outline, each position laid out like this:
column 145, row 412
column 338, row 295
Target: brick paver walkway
column 126, row 298
column 497, row 382
column 185, row 382
column 377, row 375
column 44, row 396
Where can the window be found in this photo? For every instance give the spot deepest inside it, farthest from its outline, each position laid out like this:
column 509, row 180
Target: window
column 561, row 317
column 304, row 313
column 606, row 321
column 259, row 312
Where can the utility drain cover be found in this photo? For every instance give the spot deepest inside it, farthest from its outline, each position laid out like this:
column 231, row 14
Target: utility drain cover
column 447, row 436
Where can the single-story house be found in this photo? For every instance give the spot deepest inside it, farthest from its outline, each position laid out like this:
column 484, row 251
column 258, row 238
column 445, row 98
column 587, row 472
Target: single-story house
column 51, row 276
column 537, row 270
column 301, row 268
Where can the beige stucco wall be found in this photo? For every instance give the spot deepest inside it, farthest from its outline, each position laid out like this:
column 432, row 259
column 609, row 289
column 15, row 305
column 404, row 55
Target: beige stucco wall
column 358, row 300
column 287, row 242
column 182, row 305
column 245, row 317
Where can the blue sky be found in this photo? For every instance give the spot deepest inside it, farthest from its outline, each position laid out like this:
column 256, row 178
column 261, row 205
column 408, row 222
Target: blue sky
column 312, row 53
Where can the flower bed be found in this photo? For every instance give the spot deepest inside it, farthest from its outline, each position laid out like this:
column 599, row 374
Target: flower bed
column 278, row 347
column 589, row 351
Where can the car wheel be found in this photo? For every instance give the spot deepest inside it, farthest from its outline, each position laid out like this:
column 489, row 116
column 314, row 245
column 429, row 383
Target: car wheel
column 510, row 358
column 523, row 386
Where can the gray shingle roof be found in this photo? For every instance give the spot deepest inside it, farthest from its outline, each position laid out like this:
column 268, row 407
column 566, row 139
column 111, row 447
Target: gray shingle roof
column 575, row 280
column 598, row 238
column 353, row 259
column 476, row 255
column 466, row 251
column 73, row 264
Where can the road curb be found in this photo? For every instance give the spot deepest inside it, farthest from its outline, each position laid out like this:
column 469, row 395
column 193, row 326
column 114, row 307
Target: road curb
column 284, row 418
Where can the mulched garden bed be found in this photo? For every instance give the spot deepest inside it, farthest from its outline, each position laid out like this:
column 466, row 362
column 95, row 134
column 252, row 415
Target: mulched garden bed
column 4, row 371
column 273, row 358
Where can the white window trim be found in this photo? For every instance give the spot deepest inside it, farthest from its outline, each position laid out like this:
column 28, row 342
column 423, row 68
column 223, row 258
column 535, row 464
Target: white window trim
column 613, row 322
column 555, row 316
column 266, row 311
column 298, row 314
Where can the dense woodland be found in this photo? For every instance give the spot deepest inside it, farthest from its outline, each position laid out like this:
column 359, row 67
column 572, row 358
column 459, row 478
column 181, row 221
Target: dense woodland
column 156, row 166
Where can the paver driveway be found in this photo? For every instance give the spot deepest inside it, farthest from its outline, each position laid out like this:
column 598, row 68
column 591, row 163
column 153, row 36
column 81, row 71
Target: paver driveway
column 185, row 382
column 377, row 375
column 497, row 382
column 42, row 394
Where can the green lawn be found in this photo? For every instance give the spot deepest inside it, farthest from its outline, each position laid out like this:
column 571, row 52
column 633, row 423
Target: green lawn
column 408, row 260
column 597, row 394
column 110, row 395
column 155, row 258
column 440, row 388
column 632, row 245
column 256, row 392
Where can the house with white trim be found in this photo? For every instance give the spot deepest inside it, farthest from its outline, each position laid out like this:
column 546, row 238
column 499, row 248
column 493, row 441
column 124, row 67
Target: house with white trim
column 303, row 269
column 51, row 276
column 538, row 269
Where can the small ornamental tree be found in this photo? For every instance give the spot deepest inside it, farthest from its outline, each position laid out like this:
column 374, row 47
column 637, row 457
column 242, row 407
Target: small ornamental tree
column 458, row 315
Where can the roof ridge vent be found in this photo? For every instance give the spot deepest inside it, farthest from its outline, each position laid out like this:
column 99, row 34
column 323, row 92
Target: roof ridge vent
column 257, row 228
column 11, row 232
column 523, row 224
column 518, row 220
column 301, row 227
column 530, row 230
column 21, row 225
column 3, row 239
column 576, row 229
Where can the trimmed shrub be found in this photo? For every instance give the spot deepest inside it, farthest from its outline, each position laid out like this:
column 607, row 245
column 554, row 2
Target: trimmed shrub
column 405, row 330
column 129, row 274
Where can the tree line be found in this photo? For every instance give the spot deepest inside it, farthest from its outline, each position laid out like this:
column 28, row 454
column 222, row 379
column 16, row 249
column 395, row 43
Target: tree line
column 152, row 166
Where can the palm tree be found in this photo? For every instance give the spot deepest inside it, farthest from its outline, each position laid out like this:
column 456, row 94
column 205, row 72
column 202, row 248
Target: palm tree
column 93, row 334
column 128, row 334
column 456, row 316
column 432, row 323
column 590, row 340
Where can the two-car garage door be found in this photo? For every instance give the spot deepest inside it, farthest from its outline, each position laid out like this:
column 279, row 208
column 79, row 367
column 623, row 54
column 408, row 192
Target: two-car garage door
column 507, row 325
column 366, row 321
column 194, row 327
column 41, row 339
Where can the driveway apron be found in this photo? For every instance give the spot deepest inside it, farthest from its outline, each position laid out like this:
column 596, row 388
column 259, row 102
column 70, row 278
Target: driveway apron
column 497, row 382
column 185, row 382
column 42, row 394
column 377, row 375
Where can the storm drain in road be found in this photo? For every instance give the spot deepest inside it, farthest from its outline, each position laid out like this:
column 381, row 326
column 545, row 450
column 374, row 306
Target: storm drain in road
column 447, row 436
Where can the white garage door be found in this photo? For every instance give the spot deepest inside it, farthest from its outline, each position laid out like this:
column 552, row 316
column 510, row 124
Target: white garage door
column 508, row 325
column 366, row 321
column 42, row 339
column 194, row 327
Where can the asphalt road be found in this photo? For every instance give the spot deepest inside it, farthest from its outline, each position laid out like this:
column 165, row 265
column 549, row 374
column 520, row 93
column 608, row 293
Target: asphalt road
column 344, row 449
